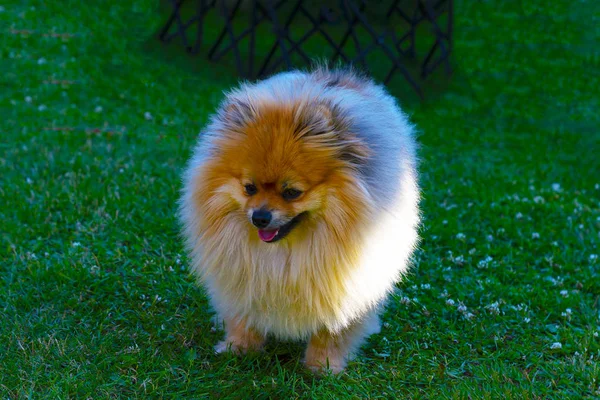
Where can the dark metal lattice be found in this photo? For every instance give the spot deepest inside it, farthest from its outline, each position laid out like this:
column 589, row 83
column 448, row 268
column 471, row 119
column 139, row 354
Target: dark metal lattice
column 396, row 40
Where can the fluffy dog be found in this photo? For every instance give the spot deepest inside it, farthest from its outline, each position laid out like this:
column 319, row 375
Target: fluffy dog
column 300, row 211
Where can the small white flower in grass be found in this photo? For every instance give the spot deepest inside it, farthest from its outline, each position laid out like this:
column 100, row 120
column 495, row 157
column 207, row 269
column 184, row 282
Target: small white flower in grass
column 28, row 99
column 597, row 186
column 75, row 244
column 527, row 320
column 460, row 236
column 42, row 61
column 490, row 238
column 148, row 116
column 460, row 260
column 98, row 109
column 595, row 334
column 569, row 311
column 556, row 187
column 42, row 108
column 494, row 308
column 445, row 222
column 450, row 302
column 519, row 215
column 29, row 181
column 555, row 244
column 485, row 262
column 535, row 235
column 426, row 286
column 472, row 251
column 556, row 345
column 120, row 170
column 538, row 200
column 469, row 315
column 593, row 258
column 405, row 300
column 46, row 254
column 462, row 308
column 564, row 293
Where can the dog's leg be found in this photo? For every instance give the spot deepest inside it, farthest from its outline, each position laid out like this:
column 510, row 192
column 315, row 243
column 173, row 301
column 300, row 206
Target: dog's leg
column 239, row 338
column 331, row 351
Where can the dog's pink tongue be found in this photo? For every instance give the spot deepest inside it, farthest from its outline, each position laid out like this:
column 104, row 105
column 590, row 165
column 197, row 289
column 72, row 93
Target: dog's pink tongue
column 267, row 236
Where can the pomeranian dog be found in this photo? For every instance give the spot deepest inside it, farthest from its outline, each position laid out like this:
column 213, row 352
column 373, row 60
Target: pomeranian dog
column 300, row 211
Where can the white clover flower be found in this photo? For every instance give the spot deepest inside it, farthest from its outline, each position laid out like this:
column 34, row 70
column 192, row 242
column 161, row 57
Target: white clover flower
column 593, row 257
column 426, row 286
column 41, row 61
column 494, row 308
column 98, row 109
column 148, row 116
column 42, row 107
column 75, row 244
column 29, row 181
column 450, row 302
column 445, row 222
column 459, row 260
column 595, row 334
column 556, row 187
column 405, row 300
column 490, row 238
column 519, row 215
column 538, row 200
column 469, row 315
column 485, row 262
column 527, row 320
column 564, row 293
column 556, row 345
column 535, row 235
column 460, row 236
column 28, row 99
column 462, row 308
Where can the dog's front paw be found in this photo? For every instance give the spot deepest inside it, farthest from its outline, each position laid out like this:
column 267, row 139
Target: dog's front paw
column 322, row 360
column 239, row 346
column 225, row 346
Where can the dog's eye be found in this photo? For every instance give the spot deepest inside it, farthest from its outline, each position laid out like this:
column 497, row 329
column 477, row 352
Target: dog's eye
column 291, row 194
column 250, row 189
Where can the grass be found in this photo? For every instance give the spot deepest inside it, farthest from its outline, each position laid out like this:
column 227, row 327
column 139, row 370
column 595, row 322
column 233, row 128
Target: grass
column 95, row 298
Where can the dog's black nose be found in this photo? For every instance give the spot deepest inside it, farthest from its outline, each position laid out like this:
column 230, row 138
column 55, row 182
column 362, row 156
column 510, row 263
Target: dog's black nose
column 261, row 218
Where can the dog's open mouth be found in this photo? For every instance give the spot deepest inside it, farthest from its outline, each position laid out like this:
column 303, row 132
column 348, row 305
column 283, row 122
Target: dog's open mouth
column 274, row 235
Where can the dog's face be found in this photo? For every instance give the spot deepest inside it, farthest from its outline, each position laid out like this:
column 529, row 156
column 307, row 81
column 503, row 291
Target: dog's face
column 278, row 169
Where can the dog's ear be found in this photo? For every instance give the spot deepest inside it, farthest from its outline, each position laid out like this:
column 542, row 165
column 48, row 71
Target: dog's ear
column 328, row 124
column 237, row 113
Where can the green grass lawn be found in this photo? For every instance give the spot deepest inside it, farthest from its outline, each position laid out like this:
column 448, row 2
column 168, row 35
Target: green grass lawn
column 95, row 297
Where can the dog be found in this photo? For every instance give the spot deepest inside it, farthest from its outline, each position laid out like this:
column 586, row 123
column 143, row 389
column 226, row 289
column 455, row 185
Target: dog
column 300, row 211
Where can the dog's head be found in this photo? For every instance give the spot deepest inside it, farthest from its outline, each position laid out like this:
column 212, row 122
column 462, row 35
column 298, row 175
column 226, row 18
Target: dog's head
column 281, row 167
